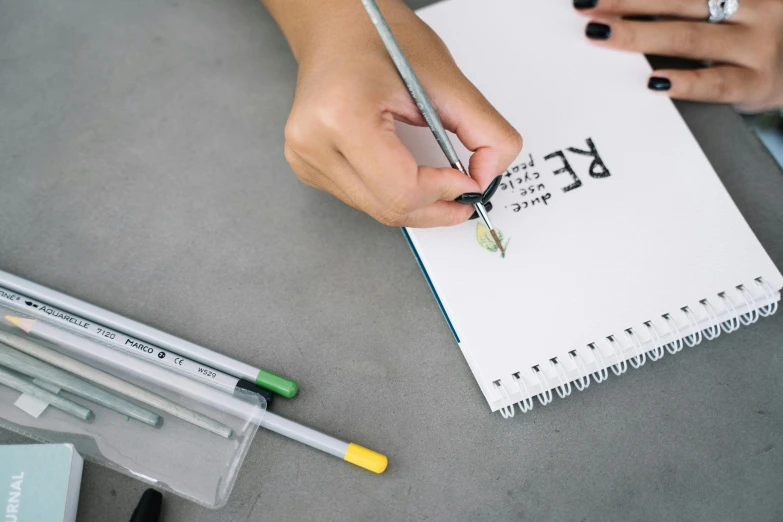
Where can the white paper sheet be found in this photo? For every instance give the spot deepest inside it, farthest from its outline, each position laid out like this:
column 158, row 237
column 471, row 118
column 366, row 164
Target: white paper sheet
column 657, row 234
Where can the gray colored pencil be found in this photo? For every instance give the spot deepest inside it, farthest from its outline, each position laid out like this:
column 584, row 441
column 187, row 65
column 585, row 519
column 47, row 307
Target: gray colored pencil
column 61, row 403
column 100, row 377
column 30, row 366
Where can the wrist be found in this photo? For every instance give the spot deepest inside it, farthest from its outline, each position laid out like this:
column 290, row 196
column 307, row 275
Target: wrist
column 313, row 25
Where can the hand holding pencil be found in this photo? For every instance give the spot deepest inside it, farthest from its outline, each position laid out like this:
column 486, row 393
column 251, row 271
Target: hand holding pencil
column 340, row 134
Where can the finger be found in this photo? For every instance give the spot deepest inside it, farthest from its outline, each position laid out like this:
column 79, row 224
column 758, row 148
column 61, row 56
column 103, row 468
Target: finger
column 495, row 143
column 721, row 84
column 443, row 184
column 313, row 177
column 439, row 214
column 696, row 9
column 717, row 42
column 390, row 172
column 354, row 193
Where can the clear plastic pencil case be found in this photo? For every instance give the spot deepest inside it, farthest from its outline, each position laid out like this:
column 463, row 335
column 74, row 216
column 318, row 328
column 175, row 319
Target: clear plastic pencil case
column 191, row 444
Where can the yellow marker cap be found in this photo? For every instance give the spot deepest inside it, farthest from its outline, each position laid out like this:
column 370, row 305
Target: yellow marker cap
column 366, row 458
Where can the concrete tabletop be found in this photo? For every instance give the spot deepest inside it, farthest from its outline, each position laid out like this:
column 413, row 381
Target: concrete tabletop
column 141, row 169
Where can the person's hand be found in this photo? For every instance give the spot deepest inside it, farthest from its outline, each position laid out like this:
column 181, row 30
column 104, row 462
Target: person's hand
column 744, row 53
column 340, row 135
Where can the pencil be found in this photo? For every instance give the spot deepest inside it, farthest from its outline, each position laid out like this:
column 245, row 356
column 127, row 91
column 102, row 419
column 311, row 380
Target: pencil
column 230, row 403
column 61, row 403
column 85, row 371
column 33, row 367
column 423, row 103
column 138, row 348
column 348, row 451
column 246, row 373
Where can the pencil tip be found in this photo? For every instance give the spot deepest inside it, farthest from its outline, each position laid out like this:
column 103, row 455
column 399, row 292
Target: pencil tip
column 24, row 324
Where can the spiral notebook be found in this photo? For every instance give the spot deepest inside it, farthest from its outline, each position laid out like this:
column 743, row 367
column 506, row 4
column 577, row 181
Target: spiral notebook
column 622, row 243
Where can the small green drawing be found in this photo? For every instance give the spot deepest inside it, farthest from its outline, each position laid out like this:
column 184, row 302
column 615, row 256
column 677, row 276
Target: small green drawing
column 486, row 242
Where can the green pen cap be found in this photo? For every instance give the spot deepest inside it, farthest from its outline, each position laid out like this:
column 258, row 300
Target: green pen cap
column 276, row 383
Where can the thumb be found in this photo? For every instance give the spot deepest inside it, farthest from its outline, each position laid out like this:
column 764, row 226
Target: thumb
column 443, row 184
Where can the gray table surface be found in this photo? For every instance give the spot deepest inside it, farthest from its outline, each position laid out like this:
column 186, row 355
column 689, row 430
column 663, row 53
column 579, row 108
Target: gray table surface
column 141, row 169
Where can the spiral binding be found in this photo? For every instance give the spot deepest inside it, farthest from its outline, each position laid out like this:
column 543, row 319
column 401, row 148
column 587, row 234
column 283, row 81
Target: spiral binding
column 636, row 344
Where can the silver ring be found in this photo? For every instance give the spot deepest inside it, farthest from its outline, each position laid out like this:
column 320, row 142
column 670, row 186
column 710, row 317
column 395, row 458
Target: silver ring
column 721, row 10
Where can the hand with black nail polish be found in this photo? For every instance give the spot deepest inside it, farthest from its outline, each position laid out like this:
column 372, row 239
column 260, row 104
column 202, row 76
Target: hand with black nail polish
column 744, row 52
column 340, row 135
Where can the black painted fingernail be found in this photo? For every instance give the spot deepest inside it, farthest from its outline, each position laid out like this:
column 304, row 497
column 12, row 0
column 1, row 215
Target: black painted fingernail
column 585, row 4
column 598, row 31
column 657, row 83
column 469, row 198
column 491, row 189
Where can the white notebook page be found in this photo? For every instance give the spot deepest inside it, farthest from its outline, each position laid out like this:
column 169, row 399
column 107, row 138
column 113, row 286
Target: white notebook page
column 657, row 234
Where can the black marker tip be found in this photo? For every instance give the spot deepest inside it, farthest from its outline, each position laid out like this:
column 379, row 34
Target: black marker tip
column 148, row 509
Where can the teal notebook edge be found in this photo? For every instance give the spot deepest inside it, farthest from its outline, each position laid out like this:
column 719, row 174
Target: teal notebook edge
column 429, row 283
column 40, row 482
